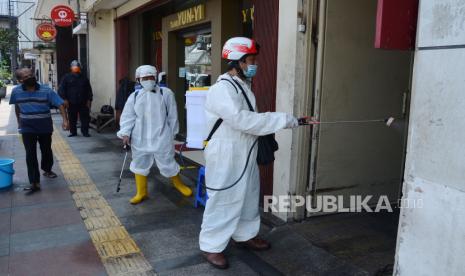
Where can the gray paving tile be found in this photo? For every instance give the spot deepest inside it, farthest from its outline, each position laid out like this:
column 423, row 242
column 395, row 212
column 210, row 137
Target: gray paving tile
column 5, row 221
column 236, row 268
column 155, row 203
column 162, row 220
column 46, row 195
column 4, row 262
column 301, row 257
column 4, row 244
column 50, row 215
column 6, row 198
column 365, row 240
column 162, row 244
column 77, row 259
column 48, row 238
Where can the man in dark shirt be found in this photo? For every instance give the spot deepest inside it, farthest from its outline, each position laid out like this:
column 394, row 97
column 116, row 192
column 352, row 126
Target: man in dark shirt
column 32, row 105
column 75, row 89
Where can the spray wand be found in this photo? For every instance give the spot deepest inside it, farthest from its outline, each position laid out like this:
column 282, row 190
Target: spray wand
column 311, row 121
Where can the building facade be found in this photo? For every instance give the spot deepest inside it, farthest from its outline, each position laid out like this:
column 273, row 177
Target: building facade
column 319, row 59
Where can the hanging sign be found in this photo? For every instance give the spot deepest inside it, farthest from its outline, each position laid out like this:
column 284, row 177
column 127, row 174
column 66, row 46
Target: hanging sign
column 46, row 31
column 62, row 16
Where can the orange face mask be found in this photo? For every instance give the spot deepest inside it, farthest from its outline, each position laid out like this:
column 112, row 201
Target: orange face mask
column 75, row 69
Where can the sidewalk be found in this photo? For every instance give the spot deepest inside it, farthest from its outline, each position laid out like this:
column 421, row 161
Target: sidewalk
column 41, row 234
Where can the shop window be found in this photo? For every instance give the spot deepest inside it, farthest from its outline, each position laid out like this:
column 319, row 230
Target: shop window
column 198, row 60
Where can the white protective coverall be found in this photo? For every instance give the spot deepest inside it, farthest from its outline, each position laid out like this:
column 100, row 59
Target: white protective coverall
column 234, row 213
column 151, row 120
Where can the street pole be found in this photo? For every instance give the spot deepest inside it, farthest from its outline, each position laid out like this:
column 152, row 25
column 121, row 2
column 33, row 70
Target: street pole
column 14, row 46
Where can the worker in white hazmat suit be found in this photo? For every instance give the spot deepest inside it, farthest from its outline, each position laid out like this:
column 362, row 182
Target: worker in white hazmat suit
column 149, row 123
column 233, row 213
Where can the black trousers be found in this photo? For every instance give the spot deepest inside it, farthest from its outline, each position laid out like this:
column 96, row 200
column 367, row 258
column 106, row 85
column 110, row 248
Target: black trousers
column 84, row 116
column 30, row 144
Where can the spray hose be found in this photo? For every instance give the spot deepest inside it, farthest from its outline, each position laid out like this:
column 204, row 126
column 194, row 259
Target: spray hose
column 235, row 182
column 302, row 121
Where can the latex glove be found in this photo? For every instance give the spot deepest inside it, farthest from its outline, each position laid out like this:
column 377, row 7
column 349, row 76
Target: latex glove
column 304, row 121
column 126, row 141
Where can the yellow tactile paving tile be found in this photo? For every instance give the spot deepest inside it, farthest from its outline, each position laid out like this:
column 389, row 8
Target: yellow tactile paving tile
column 119, row 253
column 117, row 248
column 86, row 195
column 92, row 213
column 109, row 234
column 76, row 182
column 83, row 188
column 101, row 222
column 91, row 203
column 130, row 265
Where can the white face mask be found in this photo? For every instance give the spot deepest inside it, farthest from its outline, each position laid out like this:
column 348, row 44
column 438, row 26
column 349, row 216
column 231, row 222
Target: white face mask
column 148, row 85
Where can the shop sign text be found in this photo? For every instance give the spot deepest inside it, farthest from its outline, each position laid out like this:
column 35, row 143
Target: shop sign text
column 62, row 16
column 248, row 14
column 188, row 16
column 157, row 36
column 46, row 31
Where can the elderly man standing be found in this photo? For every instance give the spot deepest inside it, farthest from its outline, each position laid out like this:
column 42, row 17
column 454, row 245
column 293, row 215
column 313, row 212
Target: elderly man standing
column 75, row 89
column 32, row 105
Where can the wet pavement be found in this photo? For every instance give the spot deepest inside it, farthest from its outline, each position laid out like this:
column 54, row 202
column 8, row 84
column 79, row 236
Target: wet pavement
column 43, row 234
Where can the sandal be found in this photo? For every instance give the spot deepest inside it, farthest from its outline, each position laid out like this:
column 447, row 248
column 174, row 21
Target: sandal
column 32, row 189
column 50, row 174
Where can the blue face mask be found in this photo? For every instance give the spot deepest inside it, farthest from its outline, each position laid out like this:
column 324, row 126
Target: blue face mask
column 251, row 71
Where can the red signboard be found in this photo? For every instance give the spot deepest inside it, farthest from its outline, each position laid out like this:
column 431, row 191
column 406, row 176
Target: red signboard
column 46, row 31
column 396, row 24
column 62, row 16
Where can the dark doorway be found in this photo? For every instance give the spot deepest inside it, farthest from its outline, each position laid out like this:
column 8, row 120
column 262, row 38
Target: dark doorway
column 66, row 50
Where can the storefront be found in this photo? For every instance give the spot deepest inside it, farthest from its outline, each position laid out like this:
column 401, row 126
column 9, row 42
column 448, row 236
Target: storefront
column 193, row 38
column 184, row 40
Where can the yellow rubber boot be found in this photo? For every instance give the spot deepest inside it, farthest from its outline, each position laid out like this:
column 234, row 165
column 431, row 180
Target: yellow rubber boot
column 180, row 186
column 141, row 186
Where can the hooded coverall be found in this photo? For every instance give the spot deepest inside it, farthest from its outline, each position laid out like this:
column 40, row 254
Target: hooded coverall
column 151, row 120
column 234, row 213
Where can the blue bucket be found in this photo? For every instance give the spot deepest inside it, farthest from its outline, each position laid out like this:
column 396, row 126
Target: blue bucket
column 6, row 172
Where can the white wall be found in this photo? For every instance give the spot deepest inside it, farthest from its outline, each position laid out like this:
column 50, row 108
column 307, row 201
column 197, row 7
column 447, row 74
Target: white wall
column 287, row 40
column 86, row 5
column 431, row 239
column 43, row 65
column 129, row 6
column 102, row 62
